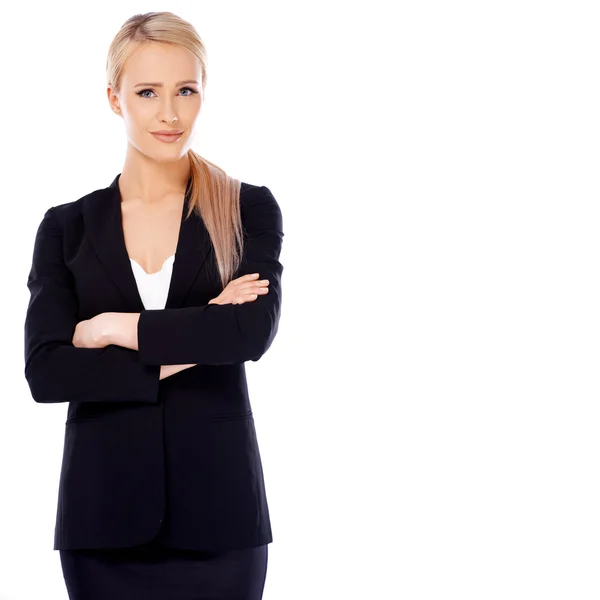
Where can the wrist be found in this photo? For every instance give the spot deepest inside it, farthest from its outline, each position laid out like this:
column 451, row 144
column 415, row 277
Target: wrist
column 106, row 330
column 121, row 329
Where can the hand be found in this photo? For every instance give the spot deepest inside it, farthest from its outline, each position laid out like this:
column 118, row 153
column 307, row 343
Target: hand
column 92, row 332
column 246, row 288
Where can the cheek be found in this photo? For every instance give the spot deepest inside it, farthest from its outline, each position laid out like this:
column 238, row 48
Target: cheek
column 190, row 109
column 137, row 115
column 136, row 123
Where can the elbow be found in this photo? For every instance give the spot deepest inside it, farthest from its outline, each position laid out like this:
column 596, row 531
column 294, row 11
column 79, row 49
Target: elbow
column 42, row 398
column 39, row 390
column 263, row 337
column 40, row 379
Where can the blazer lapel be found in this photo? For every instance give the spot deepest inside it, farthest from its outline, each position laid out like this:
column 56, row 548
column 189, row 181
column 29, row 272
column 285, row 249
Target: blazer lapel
column 104, row 228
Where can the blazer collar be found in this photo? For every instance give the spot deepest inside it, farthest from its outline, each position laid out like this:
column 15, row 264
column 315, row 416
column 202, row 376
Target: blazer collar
column 104, row 228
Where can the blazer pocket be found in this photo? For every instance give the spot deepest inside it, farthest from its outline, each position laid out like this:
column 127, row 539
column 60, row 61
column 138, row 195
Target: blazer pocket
column 231, row 416
column 80, row 418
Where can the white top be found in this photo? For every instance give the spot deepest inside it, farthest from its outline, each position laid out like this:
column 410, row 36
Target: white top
column 153, row 287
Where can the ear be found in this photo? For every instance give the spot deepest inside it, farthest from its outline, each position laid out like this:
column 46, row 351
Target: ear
column 113, row 100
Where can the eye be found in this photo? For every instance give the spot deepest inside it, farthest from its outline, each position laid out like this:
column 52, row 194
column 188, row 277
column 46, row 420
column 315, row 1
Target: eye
column 191, row 90
column 142, row 92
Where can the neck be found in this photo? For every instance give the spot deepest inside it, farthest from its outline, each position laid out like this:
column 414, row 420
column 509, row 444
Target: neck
column 150, row 181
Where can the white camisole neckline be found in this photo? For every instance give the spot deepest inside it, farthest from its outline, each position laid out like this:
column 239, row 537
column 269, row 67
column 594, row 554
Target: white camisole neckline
column 153, row 287
column 137, row 264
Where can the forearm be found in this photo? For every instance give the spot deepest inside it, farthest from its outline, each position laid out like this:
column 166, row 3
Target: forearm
column 58, row 372
column 122, row 331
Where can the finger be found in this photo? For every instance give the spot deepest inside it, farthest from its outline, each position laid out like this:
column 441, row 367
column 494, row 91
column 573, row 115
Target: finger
column 245, row 298
column 249, row 277
column 261, row 291
column 252, row 292
column 247, row 287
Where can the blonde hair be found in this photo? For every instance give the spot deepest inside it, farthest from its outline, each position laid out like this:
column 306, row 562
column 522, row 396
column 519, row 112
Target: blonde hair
column 214, row 195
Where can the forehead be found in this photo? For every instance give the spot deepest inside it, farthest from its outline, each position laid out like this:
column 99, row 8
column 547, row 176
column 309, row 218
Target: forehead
column 161, row 63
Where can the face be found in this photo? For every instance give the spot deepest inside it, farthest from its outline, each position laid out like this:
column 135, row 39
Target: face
column 160, row 91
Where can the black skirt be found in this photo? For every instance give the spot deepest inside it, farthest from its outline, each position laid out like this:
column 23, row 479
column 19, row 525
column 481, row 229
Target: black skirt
column 154, row 571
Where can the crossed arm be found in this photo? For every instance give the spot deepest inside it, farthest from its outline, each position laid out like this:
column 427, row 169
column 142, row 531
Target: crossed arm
column 122, row 331
column 118, row 329
column 143, row 348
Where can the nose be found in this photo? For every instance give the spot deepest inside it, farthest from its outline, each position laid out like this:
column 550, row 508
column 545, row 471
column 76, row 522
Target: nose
column 167, row 112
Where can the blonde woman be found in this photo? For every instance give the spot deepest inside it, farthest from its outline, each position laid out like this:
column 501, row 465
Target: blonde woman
column 147, row 298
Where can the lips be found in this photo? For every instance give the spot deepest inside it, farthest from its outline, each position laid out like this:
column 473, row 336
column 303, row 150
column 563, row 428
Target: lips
column 168, row 132
column 167, row 136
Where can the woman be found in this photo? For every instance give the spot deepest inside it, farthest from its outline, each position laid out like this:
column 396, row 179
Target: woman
column 147, row 298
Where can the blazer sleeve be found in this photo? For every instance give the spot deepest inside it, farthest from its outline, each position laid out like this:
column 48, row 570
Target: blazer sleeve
column 57, row 371
column 216, row 334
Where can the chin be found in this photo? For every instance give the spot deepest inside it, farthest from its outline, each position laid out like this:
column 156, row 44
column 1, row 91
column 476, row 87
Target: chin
column 163, row 158
column 163, row 155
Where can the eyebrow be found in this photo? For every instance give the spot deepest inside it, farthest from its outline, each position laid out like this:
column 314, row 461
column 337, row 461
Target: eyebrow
column 160, row 84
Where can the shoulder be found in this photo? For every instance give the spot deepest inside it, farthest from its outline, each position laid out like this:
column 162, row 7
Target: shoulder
column 259, row 207
column 67, row 213
column 252, row 194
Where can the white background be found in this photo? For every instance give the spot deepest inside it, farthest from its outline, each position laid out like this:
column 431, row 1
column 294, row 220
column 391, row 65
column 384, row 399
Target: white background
column 428, row 413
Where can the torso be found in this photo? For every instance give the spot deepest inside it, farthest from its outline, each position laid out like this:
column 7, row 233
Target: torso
column 151, row 232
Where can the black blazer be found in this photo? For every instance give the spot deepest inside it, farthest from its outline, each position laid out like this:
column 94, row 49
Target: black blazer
column 144, row 456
